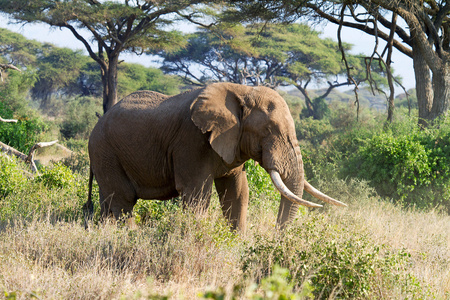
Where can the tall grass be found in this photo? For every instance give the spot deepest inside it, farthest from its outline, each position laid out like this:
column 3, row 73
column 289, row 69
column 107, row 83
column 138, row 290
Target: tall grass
column 371, row 250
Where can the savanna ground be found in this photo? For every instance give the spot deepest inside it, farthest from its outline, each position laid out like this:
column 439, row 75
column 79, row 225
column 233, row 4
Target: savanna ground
column 391, row 242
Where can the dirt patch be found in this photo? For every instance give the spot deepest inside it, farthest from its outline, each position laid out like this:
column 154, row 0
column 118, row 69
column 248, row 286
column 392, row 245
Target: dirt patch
column 54, row 153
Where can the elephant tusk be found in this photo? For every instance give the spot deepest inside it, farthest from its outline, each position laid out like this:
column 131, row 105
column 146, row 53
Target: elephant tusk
column 321, row 196
column 279, row 184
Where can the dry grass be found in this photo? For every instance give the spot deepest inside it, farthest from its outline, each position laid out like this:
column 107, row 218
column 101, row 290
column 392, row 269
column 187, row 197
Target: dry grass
column 183, row 256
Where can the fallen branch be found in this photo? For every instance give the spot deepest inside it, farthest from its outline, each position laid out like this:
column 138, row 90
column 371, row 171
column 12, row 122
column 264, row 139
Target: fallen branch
column 8, row 120
column 26, row 158
column 30, row 158
column 11, row 151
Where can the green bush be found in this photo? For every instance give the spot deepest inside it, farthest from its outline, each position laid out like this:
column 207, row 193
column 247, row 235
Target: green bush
column 400, row 160
column 395, row 164
column 57, row 176
column 259, row 181
column 405, row 163
column 57, row 192
column 152, row 210
column 12, row 178
column 332, row 260
column 23, row 134
column 79, row 117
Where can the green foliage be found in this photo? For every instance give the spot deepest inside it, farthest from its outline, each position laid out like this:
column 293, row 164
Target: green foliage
column 79, row 118
column 402, row 161
column 145, row 211
column 57, row 193
column 13, row 105
column 406, row 163
column 276, row 286
column 57, row 176
column 331, row 259
column 314, row 131
column 398, row 162
column 134, row 77
column 259, row 181
column 12, row 179
column 23, row 134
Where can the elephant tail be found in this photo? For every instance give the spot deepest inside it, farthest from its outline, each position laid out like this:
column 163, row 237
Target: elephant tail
column 88, row 207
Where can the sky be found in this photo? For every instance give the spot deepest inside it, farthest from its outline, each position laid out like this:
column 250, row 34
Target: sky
column 361, row 42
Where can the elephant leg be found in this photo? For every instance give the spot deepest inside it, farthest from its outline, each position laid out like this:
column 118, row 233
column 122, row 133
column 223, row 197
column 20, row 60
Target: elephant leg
column 197, row 194
column 233, row 195
column 193, row 179
column 117, row 194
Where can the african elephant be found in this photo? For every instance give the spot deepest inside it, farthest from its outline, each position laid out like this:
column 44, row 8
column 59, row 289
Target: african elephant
column 153, row 146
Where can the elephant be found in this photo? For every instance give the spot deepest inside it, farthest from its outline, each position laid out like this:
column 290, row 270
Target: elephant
column 153, row 146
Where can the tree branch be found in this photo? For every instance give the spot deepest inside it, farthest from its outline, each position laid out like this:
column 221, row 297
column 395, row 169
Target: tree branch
column 26, row 158
column 8, row 120
column 399, row 46
column 5, row 67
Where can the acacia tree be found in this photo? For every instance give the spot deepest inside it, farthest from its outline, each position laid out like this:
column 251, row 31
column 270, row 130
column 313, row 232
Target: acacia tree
column 425, row 37
column 265, row 54
column 113, row 27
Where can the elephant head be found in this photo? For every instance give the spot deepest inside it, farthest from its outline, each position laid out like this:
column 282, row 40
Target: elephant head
column 255, row 122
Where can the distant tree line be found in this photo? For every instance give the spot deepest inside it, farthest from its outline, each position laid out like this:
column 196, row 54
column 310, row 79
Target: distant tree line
column 63, row 73
column 147, row 27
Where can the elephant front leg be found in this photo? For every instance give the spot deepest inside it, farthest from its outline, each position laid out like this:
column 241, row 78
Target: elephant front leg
column 233, row 195
column 196, row 194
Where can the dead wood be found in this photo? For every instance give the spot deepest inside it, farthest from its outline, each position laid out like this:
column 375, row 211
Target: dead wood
column 8, row 120
column 26, row 158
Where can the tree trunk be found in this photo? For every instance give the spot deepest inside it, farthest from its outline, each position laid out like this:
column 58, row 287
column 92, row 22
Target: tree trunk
column 441, row 89
column 424, row 89
column 109, row 82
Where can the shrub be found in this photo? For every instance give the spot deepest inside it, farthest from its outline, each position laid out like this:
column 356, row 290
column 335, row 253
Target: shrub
column 57, row 176
column 79, row 117
column 333, row 260
column 396, row 165
column 150, row 210
column 405, row 163
column 12, row 178
column 259, row 181
column 23, row 134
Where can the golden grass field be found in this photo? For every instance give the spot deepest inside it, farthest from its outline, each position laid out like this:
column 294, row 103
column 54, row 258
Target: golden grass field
column 371, row 250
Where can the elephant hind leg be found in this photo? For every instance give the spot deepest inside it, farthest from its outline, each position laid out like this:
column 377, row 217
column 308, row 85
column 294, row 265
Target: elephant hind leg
column 117, row 203
column 117, row 194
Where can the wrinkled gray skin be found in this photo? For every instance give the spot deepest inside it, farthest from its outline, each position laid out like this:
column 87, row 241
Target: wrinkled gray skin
column 153, row 146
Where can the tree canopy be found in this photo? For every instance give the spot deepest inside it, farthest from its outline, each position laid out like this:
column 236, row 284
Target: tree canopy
column 418, row 29
column 266, row 54
column 63, row 73
column 113, row 26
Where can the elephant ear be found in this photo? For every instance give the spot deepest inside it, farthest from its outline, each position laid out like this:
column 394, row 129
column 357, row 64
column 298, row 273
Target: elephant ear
column 218, row 110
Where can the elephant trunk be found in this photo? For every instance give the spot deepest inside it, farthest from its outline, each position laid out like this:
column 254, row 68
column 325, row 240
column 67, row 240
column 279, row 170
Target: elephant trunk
column 288, row 207
column 288, row 177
